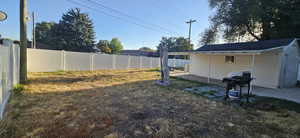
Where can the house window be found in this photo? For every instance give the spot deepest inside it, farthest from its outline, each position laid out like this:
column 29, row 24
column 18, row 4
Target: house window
column 229, row 59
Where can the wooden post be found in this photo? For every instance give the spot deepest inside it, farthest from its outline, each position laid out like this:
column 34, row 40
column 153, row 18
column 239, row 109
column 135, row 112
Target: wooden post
column 165, row 73
column 23, row 41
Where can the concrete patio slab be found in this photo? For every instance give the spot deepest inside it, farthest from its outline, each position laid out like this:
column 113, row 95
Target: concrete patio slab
column 291, row 94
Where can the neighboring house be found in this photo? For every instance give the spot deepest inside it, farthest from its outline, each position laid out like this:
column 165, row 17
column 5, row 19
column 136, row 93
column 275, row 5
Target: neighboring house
column 274, row 63
column 139, row 53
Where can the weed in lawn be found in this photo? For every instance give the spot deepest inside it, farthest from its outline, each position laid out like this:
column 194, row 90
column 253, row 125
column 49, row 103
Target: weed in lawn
column 18, row 89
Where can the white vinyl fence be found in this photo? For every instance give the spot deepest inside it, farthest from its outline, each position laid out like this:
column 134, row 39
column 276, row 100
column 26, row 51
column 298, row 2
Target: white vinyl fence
column 52, row 60
column 9, row 71
column 178, row 63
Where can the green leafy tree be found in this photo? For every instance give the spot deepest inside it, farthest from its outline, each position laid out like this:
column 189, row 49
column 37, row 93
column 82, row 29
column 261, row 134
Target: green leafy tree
column 175, row 44
column 44, row 32
column 116, row 46
column 254, row 19
column 75, row 32
column 104, row 47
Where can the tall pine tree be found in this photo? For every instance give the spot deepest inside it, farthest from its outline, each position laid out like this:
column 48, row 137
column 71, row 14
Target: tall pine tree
column 75, row 32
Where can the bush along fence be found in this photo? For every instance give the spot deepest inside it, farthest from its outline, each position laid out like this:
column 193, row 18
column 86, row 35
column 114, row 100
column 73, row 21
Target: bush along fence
column 9, row 71
column 53, row 60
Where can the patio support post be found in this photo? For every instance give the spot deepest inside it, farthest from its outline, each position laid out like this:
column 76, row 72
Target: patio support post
column 209, row 69
column 252, row 71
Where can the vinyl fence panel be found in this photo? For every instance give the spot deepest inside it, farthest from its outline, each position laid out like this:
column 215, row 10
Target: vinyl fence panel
column 51, row 60
column 121, row 62
column 75, row 61
column 135, row 62
column 102, row 61
column 9, row 68
column 44, row 60
column 146, row 62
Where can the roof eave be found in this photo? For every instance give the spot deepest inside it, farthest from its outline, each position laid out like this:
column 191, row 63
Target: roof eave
column 232, row 52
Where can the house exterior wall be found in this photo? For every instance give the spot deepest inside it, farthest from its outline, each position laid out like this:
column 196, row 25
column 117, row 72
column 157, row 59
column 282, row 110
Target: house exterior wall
column 291, row 61
column 266, row 69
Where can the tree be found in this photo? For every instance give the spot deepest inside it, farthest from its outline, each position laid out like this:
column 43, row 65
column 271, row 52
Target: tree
column 75, row 32
column 23, row 42
column 104, row 47
column 116, row 46
column 254, row 19
column 209, row 36
column 147, row 49
column 176, row 44
column 44, row 32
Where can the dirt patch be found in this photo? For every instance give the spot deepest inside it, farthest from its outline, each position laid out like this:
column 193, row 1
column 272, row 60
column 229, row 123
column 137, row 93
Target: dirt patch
column 129, row 104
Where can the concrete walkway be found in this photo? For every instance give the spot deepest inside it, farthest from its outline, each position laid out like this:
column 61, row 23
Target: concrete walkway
column 291, row 94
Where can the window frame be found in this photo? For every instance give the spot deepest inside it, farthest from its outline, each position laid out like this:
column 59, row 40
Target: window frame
column 229, row 59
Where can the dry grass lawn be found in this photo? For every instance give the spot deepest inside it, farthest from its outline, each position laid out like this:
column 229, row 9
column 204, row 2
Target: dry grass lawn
column 129, row 104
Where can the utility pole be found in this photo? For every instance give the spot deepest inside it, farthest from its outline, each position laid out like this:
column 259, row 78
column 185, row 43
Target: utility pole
column 33, row 31
column 190, row 22
column 23, row 41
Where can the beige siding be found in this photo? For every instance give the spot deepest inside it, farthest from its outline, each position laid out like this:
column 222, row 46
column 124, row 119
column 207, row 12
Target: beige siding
column 266, row 70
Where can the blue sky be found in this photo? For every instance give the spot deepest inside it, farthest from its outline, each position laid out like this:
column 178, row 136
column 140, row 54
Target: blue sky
column 168, row 14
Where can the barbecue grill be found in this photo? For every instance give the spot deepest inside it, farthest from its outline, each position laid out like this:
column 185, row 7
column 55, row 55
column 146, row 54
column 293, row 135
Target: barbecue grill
column 241, row 79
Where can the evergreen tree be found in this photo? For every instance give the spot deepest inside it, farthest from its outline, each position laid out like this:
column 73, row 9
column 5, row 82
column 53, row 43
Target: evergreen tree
column 75, row 32
column 44, row 33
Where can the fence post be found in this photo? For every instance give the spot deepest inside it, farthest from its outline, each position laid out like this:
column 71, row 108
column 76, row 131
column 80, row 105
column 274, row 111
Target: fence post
column 151, row 66
column 129, row 61
column 63, row 60
column 92, row 62
column 174, row 62
column 9, row 44
column 114, row 61
column 141, row 62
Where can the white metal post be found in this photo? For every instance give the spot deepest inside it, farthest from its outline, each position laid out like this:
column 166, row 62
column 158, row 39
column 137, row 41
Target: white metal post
column 252, row 72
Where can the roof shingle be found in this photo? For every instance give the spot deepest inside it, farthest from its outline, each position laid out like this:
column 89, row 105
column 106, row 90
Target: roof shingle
column 259, row 45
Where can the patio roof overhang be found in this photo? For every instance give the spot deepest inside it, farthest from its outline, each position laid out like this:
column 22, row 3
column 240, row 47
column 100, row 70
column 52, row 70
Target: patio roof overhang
column 232, row 52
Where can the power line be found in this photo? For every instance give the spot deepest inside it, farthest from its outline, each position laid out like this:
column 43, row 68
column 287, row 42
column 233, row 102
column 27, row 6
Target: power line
column 116, row 17
column 129, row 16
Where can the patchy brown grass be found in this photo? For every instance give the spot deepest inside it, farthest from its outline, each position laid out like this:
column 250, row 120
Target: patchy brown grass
column 129, row 104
